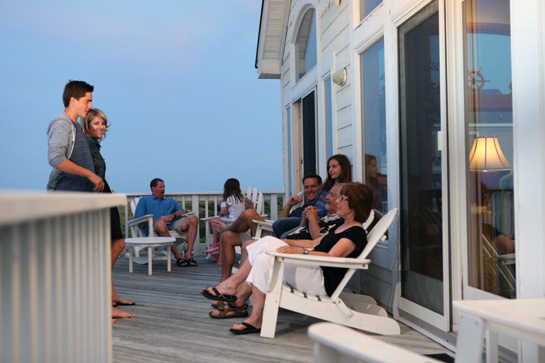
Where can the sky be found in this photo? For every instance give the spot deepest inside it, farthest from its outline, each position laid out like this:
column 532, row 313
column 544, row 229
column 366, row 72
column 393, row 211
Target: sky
column 176, row 79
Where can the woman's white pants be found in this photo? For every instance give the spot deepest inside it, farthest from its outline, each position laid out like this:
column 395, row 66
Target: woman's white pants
column 308, row 279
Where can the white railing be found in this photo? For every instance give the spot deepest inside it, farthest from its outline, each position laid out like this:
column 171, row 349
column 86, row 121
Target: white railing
column 210, row 203
column 55, row 277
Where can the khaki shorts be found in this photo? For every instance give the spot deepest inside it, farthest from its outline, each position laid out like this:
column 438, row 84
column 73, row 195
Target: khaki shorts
column 178, row 224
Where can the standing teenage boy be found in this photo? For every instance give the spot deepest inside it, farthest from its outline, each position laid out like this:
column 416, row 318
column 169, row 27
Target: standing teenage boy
column 68, row 150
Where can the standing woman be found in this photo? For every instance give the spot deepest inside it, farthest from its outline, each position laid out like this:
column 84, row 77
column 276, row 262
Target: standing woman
column 95, row 126
column 338, row 171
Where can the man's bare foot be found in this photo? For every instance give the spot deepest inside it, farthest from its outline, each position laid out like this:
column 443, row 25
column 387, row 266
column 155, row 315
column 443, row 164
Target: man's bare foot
column 116, row 313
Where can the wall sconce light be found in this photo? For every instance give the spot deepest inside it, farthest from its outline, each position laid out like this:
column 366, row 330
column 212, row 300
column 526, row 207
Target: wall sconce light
column 486, row 155
column 339, row 77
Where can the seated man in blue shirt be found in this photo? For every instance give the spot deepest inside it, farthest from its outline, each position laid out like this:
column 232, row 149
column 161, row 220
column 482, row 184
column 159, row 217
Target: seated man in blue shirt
column 167, row 214
column 290, row 220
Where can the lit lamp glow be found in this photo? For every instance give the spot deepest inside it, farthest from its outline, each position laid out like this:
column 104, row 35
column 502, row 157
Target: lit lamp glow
column 486, row 155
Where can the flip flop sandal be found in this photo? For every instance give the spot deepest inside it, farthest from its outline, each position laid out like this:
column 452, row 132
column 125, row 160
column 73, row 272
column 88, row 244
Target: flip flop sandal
column 218, row 296
column 232, row 312
column 250, row 329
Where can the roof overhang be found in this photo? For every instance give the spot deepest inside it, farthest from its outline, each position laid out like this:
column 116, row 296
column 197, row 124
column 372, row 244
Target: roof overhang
column 270, row 42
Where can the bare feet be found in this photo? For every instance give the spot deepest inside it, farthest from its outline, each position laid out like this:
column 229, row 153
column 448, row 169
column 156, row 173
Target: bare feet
column 116, row 313
column 118, row 300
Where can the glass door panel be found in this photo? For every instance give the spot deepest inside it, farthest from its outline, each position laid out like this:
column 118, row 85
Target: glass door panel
column 489, row 146
column 421, row 218
column 309, row 134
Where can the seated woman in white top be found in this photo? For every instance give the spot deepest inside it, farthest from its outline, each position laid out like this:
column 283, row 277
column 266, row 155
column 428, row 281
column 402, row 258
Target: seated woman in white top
column 234, row 203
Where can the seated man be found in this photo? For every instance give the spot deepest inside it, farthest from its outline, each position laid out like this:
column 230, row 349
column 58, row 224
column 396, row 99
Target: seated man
column 287, row 221
column 167, row 214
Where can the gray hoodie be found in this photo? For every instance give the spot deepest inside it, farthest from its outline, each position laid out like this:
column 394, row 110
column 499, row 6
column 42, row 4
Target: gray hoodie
column 61, row 137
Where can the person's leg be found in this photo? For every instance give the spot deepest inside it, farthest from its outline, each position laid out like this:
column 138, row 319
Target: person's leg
column 117, row 247
column 243, row 293
column 243, row 222
column 214, row 222
column 160, row 227
column 256, row 318
column 191, row 225
column 281, row 226
column 230, row 285
column 228, row 241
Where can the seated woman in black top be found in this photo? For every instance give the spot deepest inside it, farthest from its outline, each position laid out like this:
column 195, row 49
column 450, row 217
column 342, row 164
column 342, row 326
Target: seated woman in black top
column 347, row 240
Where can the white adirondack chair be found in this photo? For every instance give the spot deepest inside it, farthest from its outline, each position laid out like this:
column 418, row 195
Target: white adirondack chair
column 335, row 343
column 357, row 311
column 137, row 230
column 252, row 194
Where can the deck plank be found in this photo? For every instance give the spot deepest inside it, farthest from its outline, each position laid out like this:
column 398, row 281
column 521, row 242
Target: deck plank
column 172, row 322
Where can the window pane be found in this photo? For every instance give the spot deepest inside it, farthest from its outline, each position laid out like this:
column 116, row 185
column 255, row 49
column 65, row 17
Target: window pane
column 374, row 122
column 366, row 6
column 489, row 127
column 328, row 117
column 305, row 45
column 421, row 218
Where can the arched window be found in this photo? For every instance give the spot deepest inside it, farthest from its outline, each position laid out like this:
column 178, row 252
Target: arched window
column 305, row 45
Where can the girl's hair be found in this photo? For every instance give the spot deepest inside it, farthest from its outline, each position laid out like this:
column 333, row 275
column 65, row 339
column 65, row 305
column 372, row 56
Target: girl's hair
column 369, row 180
column 360, row 200
column 94, row 112
column 232, row 187
column 346, row 172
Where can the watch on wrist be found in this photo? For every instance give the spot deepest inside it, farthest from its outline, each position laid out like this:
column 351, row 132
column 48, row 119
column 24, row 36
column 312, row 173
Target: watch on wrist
column 305, row 251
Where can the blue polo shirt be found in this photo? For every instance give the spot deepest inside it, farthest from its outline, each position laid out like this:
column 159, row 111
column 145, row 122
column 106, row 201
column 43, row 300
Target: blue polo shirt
column 158, row 207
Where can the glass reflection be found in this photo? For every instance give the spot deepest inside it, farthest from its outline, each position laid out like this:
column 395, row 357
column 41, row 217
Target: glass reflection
column 489, row 127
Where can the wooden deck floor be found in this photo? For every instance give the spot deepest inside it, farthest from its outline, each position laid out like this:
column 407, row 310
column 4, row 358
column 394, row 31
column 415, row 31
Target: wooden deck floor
column 172, row 322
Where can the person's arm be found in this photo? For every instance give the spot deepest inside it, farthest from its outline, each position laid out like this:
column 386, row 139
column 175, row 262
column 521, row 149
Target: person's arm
column 177, row 212
column 294, row 199
column 248, row 204
column 57, row 143
column 70, row 167
column 342, row 248
column 313, row 225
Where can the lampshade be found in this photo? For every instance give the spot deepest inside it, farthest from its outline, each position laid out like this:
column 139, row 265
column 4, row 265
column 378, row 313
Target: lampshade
column 486, row 155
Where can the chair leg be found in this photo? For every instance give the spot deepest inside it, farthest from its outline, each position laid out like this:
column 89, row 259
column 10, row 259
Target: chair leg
column 130, row 260
column 150, row 255
column 169, row 255
column 272, row 300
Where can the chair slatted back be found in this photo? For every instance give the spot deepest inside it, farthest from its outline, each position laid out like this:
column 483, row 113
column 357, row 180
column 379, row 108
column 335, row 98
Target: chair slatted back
column 375, row 235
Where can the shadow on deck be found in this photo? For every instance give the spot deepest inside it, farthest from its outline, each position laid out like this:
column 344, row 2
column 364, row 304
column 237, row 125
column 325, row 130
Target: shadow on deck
column 172, row 322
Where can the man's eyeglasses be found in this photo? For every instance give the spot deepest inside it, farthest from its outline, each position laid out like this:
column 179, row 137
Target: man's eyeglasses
column 341, row 198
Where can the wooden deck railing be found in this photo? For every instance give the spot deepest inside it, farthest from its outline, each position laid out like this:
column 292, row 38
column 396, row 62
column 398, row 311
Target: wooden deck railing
column 55, row 277
column 209, row 204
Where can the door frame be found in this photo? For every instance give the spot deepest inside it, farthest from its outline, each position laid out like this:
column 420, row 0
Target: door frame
column 441, row 322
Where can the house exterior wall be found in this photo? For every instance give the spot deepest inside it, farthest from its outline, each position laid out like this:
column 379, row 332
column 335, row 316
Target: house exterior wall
column 341, row 39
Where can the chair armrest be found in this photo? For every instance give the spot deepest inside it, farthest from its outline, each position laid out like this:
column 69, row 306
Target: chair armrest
column 264, row 224
column 342, row 262
column 147, row 217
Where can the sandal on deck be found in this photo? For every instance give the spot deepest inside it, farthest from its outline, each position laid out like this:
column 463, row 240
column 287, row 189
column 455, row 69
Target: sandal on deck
column 249, row 329
column 219, row 296
column 191, row 262
column 181, row 262
column 236, row 312
column 218, row 305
